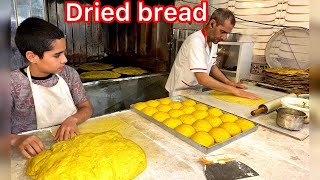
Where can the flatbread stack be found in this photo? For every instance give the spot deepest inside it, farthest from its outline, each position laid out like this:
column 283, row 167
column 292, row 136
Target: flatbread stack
column 293, row 80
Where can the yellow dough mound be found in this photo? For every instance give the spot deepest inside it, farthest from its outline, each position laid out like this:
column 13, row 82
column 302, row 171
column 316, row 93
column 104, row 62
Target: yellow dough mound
column 160, row 116
column 130, row 70
column 104, row 155
column 232, row 128
column 175, row 105
column 149, row 110
column 200, row 114
column 201, row 107
column 140, row 105
column 244, row 124
column 164, row 107
column 153, row 103
column 215, row 112
column 188, row 109
column 172, row 122
column 219, row 134
column 203, row 138
column 165, row 101
column 175, row 113
column 95, row 66
column 189, row 102
column 214, row 121
column 228, row 117
column 238, row 100
column 99, row 75
column 187, row 119
column 185, row 129
column 202, row 125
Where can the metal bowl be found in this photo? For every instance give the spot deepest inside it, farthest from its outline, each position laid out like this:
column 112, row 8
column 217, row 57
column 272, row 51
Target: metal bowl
column 291, row 119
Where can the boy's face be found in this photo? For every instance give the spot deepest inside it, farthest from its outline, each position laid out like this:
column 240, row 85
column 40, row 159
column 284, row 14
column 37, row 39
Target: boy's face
column 53, row 61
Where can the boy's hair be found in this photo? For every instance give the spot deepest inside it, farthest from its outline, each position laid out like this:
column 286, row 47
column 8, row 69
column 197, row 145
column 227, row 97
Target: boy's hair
column 221, row 14
column 36, row 35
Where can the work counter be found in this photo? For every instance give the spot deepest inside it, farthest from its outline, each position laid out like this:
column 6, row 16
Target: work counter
column 269, row 153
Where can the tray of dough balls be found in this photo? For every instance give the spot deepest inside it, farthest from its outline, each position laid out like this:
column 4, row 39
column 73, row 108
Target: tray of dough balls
column 204, row 127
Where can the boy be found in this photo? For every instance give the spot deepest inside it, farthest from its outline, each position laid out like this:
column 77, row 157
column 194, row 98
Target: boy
column 47, row 92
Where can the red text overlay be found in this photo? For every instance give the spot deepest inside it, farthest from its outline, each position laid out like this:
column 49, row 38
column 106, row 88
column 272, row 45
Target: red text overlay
column 76, row 12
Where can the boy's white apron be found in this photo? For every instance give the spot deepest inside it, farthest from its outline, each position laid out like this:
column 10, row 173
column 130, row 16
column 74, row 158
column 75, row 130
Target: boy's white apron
column 52, row 104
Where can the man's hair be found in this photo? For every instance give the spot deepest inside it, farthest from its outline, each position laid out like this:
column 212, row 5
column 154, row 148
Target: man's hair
column 36, row 35
column 221, row 14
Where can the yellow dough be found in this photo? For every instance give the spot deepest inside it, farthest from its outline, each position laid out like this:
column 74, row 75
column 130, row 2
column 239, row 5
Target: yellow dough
column 219, row 134
column 165, row 101
column 188, row 109
column 202, row 125
column 203, row 138
column 140, row 105
column 99, row 75
column 238, row 100
column 185, row 129
column 228, row 117
column 153, row 103
column 175, row 105
column 200, row 114
column 244, row 124
column 172, row 122
column 130, row 70
column 164, row 107
column 160, row 116
column 104, row 155
column 175, row 113
column 187, row 119
column 189, row 102
column 232, row 128
column 215, row 112
column 149, row 110
column 201, row 107
column 214, row 121
column 95, row 66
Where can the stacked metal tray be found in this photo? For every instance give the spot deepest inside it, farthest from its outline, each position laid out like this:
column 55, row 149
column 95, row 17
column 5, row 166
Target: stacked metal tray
column 201, row 148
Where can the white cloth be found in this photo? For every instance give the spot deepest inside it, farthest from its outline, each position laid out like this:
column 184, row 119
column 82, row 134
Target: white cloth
column 52, row 104
column 194, row 56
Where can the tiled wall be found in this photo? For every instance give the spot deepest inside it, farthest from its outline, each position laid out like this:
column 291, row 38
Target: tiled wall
column 275, row 12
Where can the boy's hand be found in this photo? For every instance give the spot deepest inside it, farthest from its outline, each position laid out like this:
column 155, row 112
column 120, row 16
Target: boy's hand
column 67, row 130
column 29, row 145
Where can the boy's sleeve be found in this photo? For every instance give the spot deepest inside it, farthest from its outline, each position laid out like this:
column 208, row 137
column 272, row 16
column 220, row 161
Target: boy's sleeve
column 77, row 90
column 197, row 58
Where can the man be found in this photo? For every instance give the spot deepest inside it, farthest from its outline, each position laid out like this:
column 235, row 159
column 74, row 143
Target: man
column 196, row 59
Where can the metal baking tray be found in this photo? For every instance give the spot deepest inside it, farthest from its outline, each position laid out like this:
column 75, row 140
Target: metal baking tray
column 201, row 148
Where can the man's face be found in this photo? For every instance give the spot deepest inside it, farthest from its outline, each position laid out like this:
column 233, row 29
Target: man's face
column 53, row 61
column 219, row 33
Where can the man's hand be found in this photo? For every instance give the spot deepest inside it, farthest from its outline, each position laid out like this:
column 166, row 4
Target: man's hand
column 68, row 129
column 242, row 93
column 29, row 145
column 236, row 85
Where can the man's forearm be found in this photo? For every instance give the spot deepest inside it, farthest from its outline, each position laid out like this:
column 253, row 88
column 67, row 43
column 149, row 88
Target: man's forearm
column 211, row 83
column 215, row 71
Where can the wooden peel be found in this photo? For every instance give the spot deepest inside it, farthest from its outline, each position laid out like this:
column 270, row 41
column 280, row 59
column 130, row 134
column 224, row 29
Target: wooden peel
column 270, row 106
